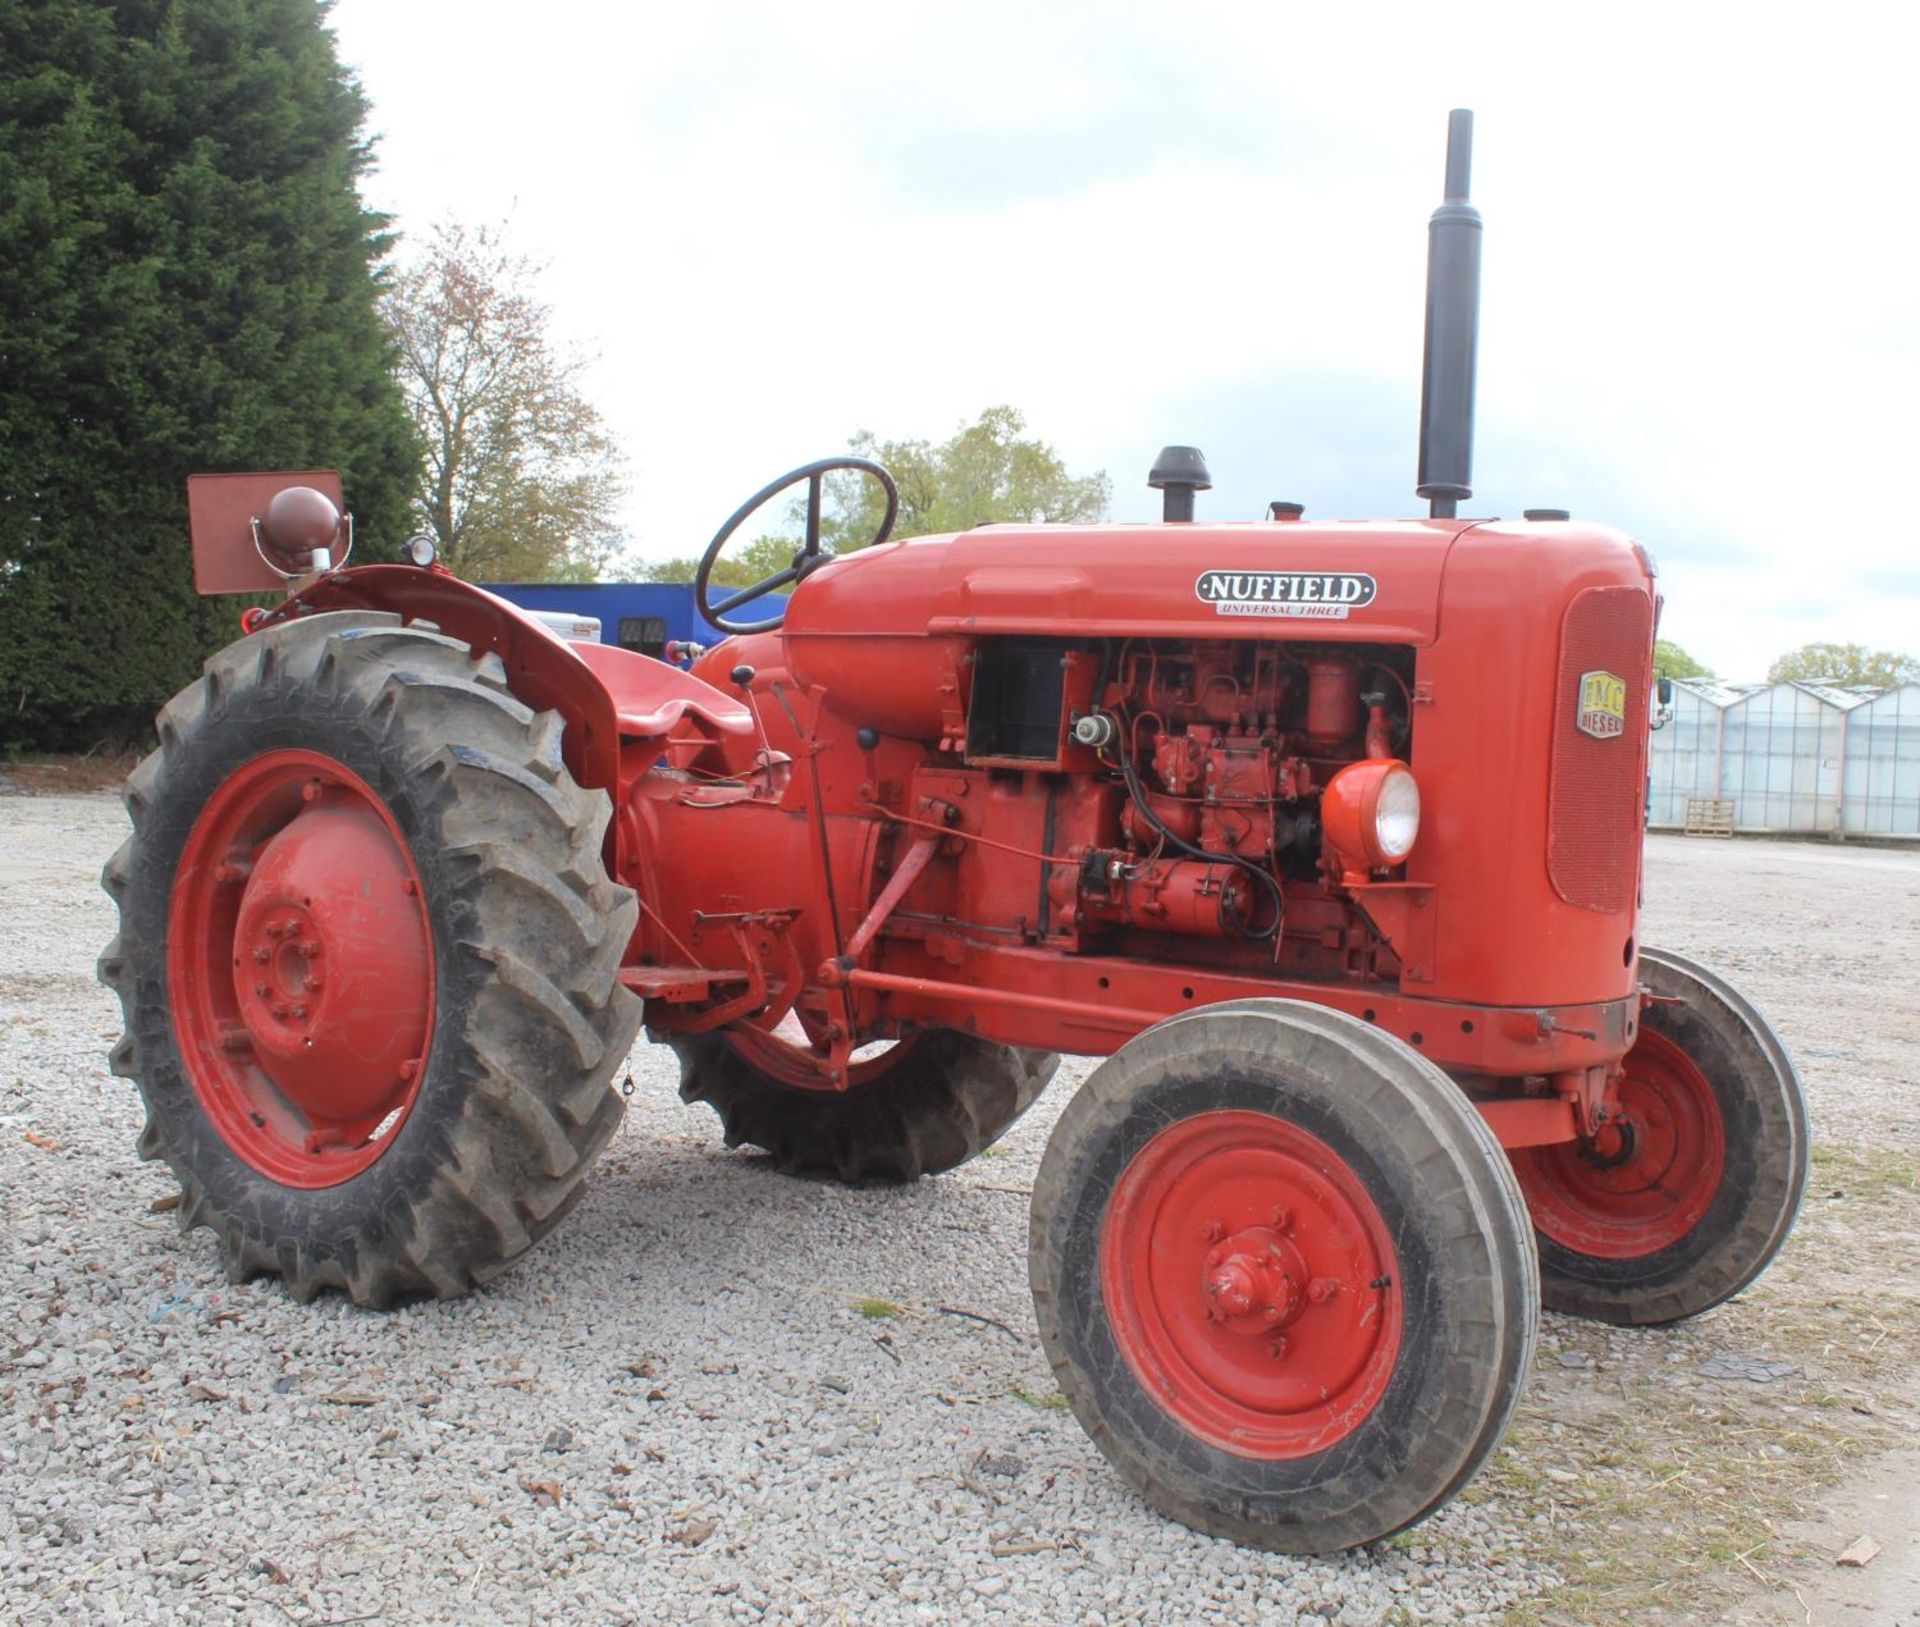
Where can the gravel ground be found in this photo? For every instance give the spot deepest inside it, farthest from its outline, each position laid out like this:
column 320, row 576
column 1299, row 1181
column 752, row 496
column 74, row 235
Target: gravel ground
column 682, row 1408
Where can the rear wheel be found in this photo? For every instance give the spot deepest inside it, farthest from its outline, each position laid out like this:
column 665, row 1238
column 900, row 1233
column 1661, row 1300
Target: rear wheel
column 922, row 1107
column 1686, row 1199
column 369, row 961
column 1283, row 1275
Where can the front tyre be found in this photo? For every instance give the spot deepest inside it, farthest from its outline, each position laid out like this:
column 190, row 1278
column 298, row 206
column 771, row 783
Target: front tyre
column 368, row 960
column 1283, row 1275
column 1684, row 1201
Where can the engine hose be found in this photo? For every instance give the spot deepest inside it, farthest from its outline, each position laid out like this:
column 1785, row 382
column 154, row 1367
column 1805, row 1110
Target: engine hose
column 1131, row 775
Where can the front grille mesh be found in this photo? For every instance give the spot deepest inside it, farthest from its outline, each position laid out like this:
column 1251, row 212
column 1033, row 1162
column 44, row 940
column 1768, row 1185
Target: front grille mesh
column 1599, row 780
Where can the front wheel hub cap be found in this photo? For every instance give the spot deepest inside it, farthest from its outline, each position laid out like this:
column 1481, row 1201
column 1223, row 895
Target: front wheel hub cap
column 1250, row 1283
column 1253, row 1281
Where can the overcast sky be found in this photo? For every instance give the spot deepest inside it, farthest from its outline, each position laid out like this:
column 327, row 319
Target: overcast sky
column 777, row 224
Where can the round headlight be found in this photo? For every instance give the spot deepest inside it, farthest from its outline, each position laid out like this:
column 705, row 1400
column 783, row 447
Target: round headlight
column 1370, row 813
column 1396, row 814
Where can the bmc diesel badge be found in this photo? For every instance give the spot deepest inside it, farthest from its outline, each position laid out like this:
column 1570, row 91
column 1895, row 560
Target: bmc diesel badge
column 1603, row 705
column 1314, row 595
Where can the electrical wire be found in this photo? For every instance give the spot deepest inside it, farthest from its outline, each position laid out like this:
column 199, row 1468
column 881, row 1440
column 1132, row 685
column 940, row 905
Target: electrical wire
column 692, row 958
column 971, row 836
column 1131, row 775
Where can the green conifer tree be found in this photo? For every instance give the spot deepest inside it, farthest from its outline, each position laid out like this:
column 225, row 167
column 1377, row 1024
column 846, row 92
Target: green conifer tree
column 188, row 282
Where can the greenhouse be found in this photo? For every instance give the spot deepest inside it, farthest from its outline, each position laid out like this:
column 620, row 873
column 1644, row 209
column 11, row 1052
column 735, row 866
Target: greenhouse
column 1796, row 757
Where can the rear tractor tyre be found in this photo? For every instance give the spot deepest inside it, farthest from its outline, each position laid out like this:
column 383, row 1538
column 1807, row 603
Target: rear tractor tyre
column 926, row 1106
column 1283, row 1275
column 368, row 960
column 1684, row 1204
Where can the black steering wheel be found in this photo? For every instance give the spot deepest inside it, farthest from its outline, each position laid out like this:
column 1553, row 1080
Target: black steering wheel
column 807, row 560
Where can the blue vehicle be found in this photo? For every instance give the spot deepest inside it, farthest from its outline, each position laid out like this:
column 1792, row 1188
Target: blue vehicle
column 642, row 616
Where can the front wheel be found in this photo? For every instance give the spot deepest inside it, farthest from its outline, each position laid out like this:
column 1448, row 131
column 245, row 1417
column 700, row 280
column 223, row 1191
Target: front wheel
column 1682, row 1202
column 1283, row 1275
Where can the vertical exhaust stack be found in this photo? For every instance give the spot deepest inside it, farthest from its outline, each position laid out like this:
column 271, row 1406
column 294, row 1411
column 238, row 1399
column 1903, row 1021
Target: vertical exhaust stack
column 1453, row 332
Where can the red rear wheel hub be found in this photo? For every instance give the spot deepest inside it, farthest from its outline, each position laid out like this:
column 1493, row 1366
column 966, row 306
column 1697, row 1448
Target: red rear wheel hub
column 790, row 1055
column 1248, row 1277
column 300, row 965
column 1648, row 1177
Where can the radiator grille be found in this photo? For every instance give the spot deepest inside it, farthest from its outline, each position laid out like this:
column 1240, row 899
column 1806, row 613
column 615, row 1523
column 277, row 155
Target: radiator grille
column 1599, row 771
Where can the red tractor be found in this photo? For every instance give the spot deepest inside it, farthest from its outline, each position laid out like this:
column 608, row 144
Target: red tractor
column 1327, row 836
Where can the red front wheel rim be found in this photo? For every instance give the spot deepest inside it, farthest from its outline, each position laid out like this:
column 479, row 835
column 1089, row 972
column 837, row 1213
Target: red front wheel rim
column 1649, row 1177
column 300, row 969
column 1251, row 1284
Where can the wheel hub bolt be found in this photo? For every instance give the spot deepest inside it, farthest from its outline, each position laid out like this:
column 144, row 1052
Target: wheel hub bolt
column 261, row 956
column 1322, row 1289
column 1213, row 1231
column 1277, row 1346
column 1282, row 1217
column 279, row 1009
column 310, row 950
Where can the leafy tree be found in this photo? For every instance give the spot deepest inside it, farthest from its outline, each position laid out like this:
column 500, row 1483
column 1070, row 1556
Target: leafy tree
column 985, row 471
column 1846, row 664
column 187, row 282
column 1670, row 661
column 521, row 481
column 741, row 567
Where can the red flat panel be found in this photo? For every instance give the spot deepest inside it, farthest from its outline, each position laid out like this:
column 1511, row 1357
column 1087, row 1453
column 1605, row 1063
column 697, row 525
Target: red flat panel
column 1483, row 751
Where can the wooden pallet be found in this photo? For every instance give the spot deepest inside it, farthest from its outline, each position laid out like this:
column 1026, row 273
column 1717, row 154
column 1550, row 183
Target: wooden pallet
column 1708, row 816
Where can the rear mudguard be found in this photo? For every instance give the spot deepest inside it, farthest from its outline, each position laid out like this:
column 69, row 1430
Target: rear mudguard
column 604, row 693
